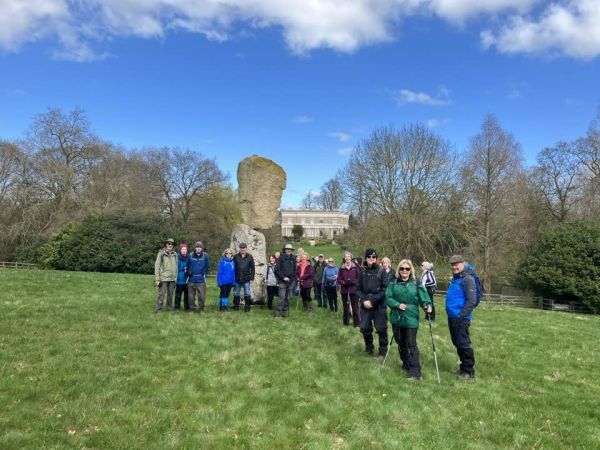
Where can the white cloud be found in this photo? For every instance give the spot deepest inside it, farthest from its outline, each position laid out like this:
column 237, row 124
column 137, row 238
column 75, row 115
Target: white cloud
column 571, row 28
column 303, row 119
column 434, row 123
column 408, row 96
column 83, row 27
column 343, row 137
column 460, row 10
column 345, row 151
column 27, row 21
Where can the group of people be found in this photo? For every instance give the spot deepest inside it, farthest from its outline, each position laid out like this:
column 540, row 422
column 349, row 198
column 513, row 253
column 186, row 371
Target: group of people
column 367, row 290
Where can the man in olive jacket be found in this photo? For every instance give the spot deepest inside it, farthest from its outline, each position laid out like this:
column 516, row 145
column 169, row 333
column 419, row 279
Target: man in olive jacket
column 165, row 275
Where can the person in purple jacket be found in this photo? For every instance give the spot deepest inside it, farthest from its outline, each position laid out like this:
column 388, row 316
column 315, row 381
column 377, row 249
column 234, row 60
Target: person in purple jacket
column 348, row 275
column 304, row 276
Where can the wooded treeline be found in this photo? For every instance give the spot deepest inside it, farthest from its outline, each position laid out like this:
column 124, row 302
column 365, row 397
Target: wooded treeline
column 62, row 174
column 411, row 194
column 68, row 197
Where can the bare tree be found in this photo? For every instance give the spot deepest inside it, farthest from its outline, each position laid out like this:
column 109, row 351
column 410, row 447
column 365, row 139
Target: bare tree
column 331, row 196
column 587, row 152
column 491, row 165
column 62, row 148
column 557, row 176
column 397, row 183
column 310, row 200
column 121, row 181
column 399, row 170
column 11, row 159
column 181, row 175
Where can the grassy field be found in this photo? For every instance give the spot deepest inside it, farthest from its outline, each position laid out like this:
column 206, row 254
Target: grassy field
column 84, row 363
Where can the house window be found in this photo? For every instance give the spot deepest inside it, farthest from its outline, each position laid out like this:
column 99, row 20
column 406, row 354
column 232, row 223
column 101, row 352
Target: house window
column 289, row 221
column 334, row 221
column 303, row 220
column 321, row 232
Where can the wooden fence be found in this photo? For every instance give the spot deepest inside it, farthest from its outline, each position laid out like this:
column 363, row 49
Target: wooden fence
column 532, row 302
column 17, row 265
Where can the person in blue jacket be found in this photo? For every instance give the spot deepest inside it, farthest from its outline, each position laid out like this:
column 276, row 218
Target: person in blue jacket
column 461, row 299
column 197, row 266
column 225, row 278
column 182, row 278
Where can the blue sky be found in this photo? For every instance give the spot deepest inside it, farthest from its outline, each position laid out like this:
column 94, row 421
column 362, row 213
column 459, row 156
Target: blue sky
column 301, row 82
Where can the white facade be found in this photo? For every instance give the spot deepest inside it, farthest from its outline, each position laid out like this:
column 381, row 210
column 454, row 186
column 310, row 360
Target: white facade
column 316, row 223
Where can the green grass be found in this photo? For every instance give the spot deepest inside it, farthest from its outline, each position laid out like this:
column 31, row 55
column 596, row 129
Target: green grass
column 84, row 363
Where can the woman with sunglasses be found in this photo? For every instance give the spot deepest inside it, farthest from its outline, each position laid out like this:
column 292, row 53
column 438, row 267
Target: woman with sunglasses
column 404, row 298
column 373, row 313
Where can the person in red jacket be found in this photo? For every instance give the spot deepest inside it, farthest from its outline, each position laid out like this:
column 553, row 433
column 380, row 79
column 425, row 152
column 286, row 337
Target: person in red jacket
column 347, row 280
column 304, row 276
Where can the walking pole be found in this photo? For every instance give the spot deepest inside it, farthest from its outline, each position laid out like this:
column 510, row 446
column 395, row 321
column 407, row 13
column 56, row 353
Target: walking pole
column 388, row 349
column 437, row 370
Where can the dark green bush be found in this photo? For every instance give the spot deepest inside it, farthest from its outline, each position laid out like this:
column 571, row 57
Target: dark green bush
column 564, row 264
column 116, row 242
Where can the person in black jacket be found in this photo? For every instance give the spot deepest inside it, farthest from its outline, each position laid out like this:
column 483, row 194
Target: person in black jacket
column 244, row 274
column 371, row 295
column 285, row 271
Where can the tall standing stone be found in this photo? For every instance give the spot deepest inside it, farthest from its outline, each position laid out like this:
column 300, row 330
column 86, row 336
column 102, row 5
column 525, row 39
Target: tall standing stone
column 260, row 185
column 256, row 246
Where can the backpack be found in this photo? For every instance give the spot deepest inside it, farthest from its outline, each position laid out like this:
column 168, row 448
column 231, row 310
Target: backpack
column 479, row 291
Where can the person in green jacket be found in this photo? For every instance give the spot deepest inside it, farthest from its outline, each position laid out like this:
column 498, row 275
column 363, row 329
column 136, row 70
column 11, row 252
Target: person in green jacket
column 165, row 275
column 404, row 297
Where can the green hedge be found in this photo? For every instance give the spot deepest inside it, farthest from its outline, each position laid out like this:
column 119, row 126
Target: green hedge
column 116, row 242
column 564, row 264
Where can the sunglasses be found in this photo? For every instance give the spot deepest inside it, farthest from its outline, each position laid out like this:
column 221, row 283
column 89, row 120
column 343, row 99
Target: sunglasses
column 404, row 269
column 372, row 257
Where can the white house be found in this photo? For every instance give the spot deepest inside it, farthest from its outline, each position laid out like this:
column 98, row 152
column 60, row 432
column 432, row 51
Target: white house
column 316, row 223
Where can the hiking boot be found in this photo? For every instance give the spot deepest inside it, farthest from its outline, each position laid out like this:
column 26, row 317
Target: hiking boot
column 465, row 376
column 369, row 350
column 413, row 378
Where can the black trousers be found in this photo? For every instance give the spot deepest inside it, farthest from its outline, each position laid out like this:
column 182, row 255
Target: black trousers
column 431, row 315
column 378, row 317
column 225, row 290
column 407, row 347
column 320, row 295
column 348, row 301
column 271, row 293
column 331, row 293
column 181, row 289
column 459, row 333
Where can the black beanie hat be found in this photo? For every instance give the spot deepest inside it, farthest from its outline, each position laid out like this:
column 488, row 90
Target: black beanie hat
column 370, row 252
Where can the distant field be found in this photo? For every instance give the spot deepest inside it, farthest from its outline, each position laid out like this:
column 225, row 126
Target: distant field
column 84, row 363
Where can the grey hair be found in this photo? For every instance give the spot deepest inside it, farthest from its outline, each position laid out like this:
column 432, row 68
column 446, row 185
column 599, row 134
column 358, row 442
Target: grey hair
column 427, row 265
